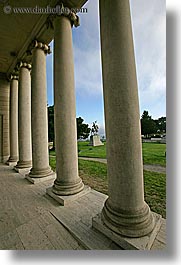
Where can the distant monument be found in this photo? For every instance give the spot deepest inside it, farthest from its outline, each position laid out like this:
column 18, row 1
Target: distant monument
column 95, row 138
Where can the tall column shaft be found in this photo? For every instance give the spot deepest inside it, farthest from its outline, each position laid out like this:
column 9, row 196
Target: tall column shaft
column 4, row 118
column 125, row 211
column 13, row 119
column 24, row 117
column 40, row 154
column 68, row 181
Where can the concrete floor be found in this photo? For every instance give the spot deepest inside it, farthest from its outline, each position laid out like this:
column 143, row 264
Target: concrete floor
column 30, row 219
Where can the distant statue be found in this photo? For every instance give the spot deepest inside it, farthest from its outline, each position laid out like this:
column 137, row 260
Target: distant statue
column 95, row 138
column 94, row 129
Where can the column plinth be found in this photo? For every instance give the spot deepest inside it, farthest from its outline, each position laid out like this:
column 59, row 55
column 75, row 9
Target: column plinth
column 13, row 159
column 24, row 118
column 39, row 118
column 125, row 211
column 68, row 181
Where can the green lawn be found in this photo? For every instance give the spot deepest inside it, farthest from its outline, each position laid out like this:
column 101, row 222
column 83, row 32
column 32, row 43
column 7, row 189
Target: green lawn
column 85, row 150
column 52, row 163
column 153, row 153
column 94, row 174
column 91, row 151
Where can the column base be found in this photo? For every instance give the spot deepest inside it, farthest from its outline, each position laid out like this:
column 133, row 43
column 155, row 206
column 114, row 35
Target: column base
column 23, row 167
column 40, row 173
column 4, row 159
column 11, row 164
column 135, row 223
column 69, row 188
column 24, row 164
column 22, row 171
column 128, row 243
column 12, row 161
column 36, row 180
column 63, row 199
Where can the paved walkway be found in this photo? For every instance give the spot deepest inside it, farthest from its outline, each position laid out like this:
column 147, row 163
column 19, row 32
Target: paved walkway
column 30, row 219
column 153, row 168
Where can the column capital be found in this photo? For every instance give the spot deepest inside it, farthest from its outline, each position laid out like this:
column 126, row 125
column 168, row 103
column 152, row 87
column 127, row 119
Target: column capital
column 69, row 13
column 66, row 12
column 40, row 45
column 14, row 76
column 23, row 64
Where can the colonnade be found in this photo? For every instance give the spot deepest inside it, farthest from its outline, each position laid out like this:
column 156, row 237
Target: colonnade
column 125, row 211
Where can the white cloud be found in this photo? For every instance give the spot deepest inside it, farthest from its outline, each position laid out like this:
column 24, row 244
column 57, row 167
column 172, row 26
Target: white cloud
column 88, row 72
column 149, row 28
column 87, row 53
column 149, row 23
column 102, row 130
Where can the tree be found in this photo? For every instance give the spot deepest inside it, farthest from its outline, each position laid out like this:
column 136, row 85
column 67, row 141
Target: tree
column 148, row 125
column 83, row 129
column 51, row 123
column 161, row 125
column 51, row 134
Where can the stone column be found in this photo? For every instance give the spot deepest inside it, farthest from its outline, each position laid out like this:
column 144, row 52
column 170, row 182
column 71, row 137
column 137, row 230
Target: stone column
column 40, row 167
column 125, row 211
column 24, row 119
column 68, row 181
column 13, row 120
column 4, row 118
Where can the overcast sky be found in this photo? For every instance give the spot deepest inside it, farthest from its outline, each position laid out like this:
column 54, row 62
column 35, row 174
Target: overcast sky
column 149, row 30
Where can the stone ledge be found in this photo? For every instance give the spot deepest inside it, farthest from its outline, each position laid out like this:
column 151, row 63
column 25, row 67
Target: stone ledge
column 127, row 243
column 52, row 176
column 64, row 200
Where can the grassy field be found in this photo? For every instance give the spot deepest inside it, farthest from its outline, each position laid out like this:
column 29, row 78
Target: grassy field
column 94, row 174
column 153, row 153
column 91, row 151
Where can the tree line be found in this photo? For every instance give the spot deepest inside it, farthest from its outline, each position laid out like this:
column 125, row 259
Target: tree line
column 149, row 126
column 83, row 130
